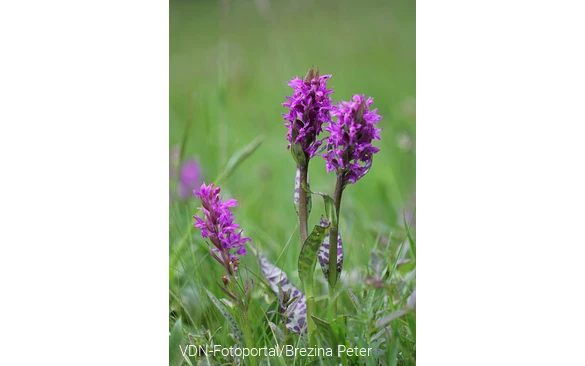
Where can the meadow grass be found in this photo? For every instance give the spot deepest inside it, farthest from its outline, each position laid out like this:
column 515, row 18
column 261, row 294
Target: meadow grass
column 229, row 65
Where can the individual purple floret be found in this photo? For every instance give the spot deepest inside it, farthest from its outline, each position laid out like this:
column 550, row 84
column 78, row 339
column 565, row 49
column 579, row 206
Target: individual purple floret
column 310, row 107
column 218, row 225
column 350, row 150
column 189, row 178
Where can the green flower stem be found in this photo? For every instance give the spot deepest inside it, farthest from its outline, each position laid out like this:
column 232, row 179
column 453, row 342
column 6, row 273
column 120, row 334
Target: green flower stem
column 303, row 235
column 243, row 311
column 303, row 214
column 333, row 233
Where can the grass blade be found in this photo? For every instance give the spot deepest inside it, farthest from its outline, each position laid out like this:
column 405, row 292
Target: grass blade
column 382, row 322
column 176, row 338
column 237, row 158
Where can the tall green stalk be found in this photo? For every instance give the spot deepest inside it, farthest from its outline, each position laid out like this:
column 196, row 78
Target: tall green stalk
column 303, row 235
column 243, row 311
column 332, row 280
column 303, row 212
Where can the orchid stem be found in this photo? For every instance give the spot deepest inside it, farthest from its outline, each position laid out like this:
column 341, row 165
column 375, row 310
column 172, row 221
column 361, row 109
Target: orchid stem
column 333, row 234
column 303, row 235
column 303, row 214
column 247, row 332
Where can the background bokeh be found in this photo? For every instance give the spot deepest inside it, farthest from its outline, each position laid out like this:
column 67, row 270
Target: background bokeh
column 230, row 62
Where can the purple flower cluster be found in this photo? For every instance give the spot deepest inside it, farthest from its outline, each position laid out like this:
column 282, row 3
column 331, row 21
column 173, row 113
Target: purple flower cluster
column 310, row 108
column 218, row 225
column 350, row 149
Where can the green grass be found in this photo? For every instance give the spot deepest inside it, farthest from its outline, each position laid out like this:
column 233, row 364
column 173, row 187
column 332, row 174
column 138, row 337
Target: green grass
column 228, row 74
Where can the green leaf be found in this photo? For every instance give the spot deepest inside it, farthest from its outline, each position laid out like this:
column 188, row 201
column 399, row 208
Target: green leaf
column 176, row 338
column 298, row 154
column 326, row 331
column 411, row 319
column 354, row 299
column 368, row 303
column 228, row 317
column 183, row 145
column 297, row 150
column 393, row 348
column 308, row 254
column 323, row 253
column 329, row 207
column 237, row 158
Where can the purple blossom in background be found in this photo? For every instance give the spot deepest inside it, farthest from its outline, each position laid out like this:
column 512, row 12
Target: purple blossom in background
column 218, row 225
column 189, row 178
column 189, row 174
column 310, row 107
column 350, row 149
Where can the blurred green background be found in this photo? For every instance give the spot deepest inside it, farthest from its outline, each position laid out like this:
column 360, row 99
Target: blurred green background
column 229, row 65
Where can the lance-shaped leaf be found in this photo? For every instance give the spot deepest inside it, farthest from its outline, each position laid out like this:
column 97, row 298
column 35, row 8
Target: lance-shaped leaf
column 308, row 254
column 297, row 150
column 296, row 197
column 292, row 300
column 354, row 299
column 238, row 157
column 228, row 317
column 326, row 331
column 331, row 220
column 329, row 206
column 323, row 253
